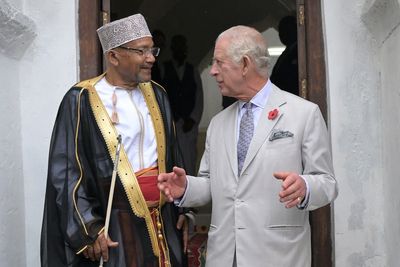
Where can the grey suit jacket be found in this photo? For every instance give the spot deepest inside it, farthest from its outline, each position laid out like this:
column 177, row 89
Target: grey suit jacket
column 247, row 217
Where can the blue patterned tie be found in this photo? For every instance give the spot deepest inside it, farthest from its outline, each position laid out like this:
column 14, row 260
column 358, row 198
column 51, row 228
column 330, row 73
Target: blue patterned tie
column 245, row 135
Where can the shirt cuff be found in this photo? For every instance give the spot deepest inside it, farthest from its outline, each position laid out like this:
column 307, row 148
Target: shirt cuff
column 178, row 202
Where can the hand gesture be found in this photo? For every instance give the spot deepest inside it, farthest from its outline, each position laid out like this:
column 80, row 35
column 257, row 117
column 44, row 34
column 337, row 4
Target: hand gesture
column 293, row 188
column 172, row 184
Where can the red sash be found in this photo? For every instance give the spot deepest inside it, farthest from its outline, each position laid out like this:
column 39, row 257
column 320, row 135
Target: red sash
column 147, row 179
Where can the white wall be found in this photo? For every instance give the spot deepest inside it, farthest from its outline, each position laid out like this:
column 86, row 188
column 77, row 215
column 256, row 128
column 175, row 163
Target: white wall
column 362, row 73
column 12, row 234
column 33, row 87
column 48, row 69
column 390, row 76
column 12, row 218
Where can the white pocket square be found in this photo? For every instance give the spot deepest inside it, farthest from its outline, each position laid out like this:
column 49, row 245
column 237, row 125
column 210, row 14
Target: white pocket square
column 279, row 134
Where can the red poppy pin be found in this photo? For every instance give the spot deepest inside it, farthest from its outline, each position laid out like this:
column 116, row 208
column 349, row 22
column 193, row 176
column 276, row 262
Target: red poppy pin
column 273, row 114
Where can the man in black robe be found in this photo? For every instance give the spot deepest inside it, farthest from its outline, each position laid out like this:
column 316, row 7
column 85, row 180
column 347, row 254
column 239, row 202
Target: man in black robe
column 144, row 230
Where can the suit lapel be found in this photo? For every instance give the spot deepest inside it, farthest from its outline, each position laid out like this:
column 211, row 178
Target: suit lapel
column 275, row 101
column 229, row 128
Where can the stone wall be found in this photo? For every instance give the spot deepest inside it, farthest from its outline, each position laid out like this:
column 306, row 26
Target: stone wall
column 38, row 53
column 362, row 47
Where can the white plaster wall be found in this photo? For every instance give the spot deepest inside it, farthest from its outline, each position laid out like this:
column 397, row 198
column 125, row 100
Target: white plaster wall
column 40, row 77
column 363, row 102
column 12, row 233
column 390, row 54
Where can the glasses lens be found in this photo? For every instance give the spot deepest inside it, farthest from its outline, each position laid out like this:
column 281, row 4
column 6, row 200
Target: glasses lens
column 155, row 51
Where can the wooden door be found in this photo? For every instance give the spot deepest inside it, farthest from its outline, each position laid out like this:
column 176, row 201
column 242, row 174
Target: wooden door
column 92, row 15
column 312, row 82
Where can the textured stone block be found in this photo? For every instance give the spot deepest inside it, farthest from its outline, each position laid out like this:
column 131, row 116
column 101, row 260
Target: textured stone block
column 382, row 18
column 17, row 31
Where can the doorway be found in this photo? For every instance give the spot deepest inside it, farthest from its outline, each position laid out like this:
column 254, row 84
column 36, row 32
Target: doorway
column 201, row 22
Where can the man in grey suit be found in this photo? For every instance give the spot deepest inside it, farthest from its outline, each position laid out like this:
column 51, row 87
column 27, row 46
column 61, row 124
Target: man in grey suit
column 266, row 164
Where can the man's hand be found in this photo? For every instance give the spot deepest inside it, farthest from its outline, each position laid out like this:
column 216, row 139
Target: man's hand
column 183, row 224
column 293, row 188
column 172, row 184
column 99, row 248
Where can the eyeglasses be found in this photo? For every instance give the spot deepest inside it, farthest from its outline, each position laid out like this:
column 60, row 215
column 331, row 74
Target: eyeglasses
column 143, row 51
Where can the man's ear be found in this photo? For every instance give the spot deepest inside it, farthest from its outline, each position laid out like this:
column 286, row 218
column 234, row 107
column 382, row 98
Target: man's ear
column 112, row 57
column 246, row 61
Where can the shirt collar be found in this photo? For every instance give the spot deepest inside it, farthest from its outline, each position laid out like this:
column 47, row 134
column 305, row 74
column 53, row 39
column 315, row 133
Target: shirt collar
column 260, row 99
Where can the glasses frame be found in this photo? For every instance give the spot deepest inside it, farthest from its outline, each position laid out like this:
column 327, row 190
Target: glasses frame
column 154, row 51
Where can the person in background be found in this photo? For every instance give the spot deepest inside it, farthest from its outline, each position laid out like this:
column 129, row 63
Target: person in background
column 144, row 230
column 157, row 71
column 185, row 91
column 285, row 73
column 267, row 163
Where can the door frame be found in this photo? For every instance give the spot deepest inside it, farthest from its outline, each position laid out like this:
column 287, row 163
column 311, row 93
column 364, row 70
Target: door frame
column 312, row 83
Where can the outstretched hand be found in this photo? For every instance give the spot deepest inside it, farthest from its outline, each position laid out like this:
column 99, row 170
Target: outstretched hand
column 293, row 188
column 172, row 184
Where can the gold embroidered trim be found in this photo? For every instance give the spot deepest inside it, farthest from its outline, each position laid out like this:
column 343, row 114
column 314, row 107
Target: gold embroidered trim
column 158, row 123
column 125, row 170
column 159, row 85
column 78, row 106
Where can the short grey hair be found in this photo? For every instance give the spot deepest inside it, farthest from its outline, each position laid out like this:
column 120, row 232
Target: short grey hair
column 247, row 41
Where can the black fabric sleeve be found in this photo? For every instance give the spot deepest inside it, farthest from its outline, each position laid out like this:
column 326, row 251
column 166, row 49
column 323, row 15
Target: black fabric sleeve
column 70, row 194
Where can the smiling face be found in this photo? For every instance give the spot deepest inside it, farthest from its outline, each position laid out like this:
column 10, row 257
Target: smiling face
column 132, row 66
column 227, row 73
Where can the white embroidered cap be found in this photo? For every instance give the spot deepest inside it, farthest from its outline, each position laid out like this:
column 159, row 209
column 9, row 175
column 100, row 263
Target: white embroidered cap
column 121, row 31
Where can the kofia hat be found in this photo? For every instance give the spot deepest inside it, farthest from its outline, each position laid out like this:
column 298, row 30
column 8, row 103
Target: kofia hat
column 121, row 31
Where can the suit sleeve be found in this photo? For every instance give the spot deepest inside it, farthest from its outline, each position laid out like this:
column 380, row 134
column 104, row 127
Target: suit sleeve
column 198, row 192
column 317, row 162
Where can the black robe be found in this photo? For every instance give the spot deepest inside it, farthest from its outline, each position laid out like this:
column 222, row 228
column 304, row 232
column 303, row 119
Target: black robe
column 79, row 175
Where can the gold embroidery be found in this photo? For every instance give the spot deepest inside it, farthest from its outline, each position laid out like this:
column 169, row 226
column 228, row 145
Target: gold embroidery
column 158, row 123
column 78, row 120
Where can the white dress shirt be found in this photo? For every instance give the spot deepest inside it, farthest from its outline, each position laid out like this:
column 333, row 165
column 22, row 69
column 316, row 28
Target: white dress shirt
column 258, row 103
column 135, row 123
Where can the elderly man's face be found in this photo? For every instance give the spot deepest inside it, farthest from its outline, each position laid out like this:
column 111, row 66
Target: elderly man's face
column 136, row 60
column 227, row 73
